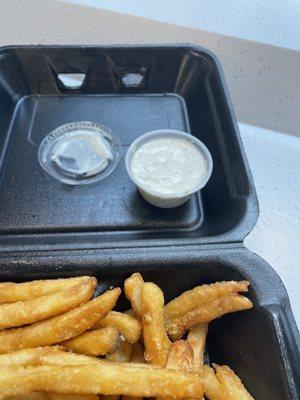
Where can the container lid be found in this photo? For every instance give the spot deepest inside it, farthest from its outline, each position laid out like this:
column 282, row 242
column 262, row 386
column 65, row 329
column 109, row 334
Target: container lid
column 79, row 153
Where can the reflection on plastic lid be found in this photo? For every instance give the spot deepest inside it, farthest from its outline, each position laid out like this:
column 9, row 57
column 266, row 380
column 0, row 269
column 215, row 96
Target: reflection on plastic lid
column 79, row 153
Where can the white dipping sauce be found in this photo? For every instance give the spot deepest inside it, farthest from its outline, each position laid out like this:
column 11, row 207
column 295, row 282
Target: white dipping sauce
column 169, row 166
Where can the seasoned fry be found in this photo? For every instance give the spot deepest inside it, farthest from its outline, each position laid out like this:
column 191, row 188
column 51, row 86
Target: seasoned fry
column 95, row 343
column 33, row 356
column 180, row 356
column 200, row 295
column 54, row 396
column 122, row 353
column 232, row 383
column 133, row 286
column 71, row 396
column 215, row 309
column 128, row 326
column 197, row 338
column 138, row 354
column 213, row 389
column 54, row 355
column 27, row 312
column 156, row 340
column 60, row 328
column 136, row 357
column 103, row 378
column 11, row 292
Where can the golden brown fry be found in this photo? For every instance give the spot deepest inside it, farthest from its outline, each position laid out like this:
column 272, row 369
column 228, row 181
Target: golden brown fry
column 200, row 295
column 60, row 328
column 216, row 309
column 29, row 356
column 71, row 396
column 55, row 396
column 213, row 389
column 128, row 326
column 197, row 338
column 11, row 292
column 55, row 355
column 232, row 383
column 103, row 378
column 31, row 396
column 122, row 353
column 27, row 312
column 132, row 287
column 95, row 343
column 180, row 356
column 137, row 355
column 156, row 340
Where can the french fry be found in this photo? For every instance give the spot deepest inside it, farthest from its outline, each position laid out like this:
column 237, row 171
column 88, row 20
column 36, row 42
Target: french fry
column 54, row 396
column 156, row 340
column 27, row 312
column 103, row 378
column 197, row 338
column 55, row 355
column 95, row 343
column 180, row 356
column 132, row 287
column 128, row 326
column 59, row 328
column 71, row 396
column 206, row 313
column 213, row 389
column 122, row 353
column 11, row 292
column 29, row 356
column 137, row 355
column 200, row 295
column 232, row 383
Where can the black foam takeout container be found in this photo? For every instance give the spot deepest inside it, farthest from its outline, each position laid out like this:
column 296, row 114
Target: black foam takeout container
column 48, row 229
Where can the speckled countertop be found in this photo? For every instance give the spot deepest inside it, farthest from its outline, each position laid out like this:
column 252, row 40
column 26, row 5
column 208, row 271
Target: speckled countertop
column 263, row 79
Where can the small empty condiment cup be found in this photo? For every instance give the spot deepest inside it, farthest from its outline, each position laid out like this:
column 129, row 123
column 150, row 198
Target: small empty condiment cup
column 168, row 166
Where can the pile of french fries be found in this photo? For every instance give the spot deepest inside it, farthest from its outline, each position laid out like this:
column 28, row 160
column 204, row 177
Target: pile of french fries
column 57, row 342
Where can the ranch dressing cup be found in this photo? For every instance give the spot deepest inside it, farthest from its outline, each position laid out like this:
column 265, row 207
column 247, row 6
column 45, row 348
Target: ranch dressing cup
column 168, row 166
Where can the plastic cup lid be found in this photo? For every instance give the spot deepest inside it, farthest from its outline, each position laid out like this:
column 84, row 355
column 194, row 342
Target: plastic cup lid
column 79, row 153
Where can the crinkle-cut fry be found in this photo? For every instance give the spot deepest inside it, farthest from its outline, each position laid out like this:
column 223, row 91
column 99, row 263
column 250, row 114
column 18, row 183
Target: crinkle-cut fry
column 156, row 340
column 59, row 328
column 30, row 311
column 95, row 343
column 133, row 287
column 197, row 339
column 121, row 354
column 11, row 292
column 128, row 326
column 232, row 383
column 107, row 378
column 206, row 313
column 200, row 295
column 55, row 396
column 213, row 389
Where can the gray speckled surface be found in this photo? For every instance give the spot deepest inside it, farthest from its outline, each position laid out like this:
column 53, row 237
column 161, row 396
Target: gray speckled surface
column 274, row 160
column 263, row 80
column 275, row 22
